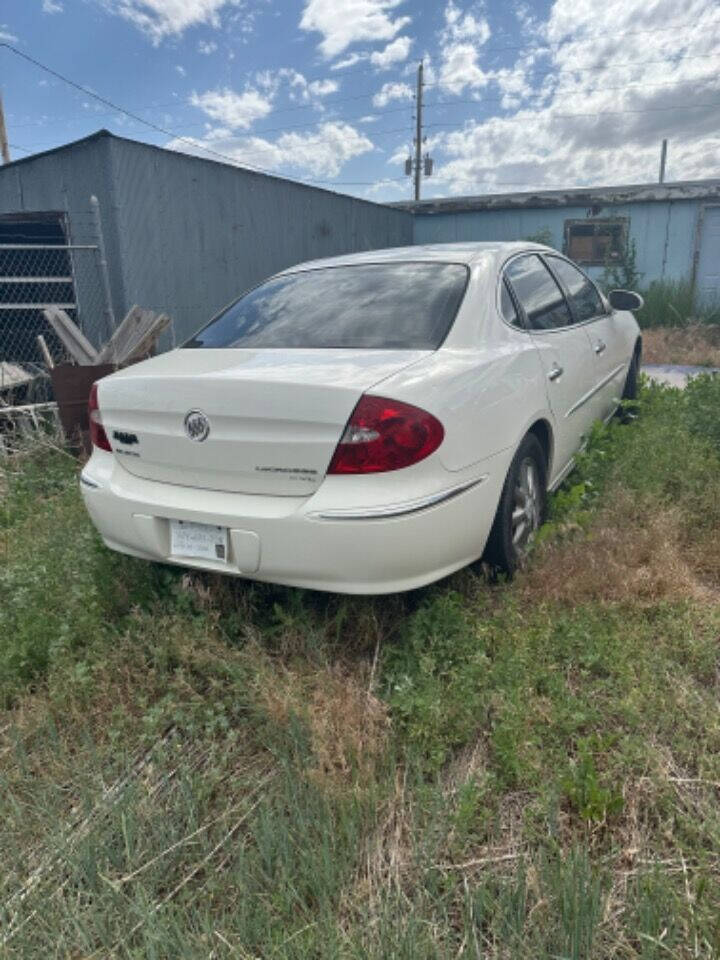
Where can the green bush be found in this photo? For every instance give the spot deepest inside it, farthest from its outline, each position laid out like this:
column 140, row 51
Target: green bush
column 702, row 405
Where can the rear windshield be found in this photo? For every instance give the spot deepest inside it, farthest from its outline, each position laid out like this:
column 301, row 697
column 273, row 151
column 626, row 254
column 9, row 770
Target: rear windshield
column 380, row 306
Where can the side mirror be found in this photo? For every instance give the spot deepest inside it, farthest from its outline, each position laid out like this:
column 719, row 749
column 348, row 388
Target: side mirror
column 625, row 300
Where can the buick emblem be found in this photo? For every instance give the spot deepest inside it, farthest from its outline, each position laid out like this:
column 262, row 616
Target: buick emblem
column 197, row 425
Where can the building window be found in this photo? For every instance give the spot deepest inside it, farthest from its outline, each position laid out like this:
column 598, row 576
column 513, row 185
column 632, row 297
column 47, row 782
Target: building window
column 595, row 242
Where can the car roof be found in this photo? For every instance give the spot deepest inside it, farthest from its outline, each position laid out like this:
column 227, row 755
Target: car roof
column 440, row 252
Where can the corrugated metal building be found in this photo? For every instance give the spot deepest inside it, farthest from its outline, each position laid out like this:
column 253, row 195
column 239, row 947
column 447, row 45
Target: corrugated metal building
column 675, row 226
column 182, row 234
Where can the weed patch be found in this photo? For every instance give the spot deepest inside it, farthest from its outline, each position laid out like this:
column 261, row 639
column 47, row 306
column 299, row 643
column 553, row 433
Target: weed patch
column 193, row 766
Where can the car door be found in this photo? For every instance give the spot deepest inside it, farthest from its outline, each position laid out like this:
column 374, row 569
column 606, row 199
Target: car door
column 565, row 353
column 603, row 327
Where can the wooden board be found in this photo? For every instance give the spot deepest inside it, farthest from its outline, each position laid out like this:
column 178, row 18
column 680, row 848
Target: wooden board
column 72, row 338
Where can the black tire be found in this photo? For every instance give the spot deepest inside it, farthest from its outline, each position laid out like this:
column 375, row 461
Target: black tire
column 630, row 391
column 503, row 552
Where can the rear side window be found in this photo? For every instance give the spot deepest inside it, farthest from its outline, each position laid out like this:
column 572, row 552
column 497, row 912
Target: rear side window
column 379, row 306
column 540, row 297
column 584, row 298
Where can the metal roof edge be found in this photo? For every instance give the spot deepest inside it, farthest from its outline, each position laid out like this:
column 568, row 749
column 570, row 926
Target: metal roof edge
column 248, row 171
column 576, row 196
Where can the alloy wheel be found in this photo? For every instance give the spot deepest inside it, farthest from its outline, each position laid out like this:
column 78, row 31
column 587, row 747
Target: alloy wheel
column 526, row 505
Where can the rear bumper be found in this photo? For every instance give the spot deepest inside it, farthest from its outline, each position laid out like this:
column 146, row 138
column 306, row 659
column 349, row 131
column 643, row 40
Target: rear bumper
column 320, row 542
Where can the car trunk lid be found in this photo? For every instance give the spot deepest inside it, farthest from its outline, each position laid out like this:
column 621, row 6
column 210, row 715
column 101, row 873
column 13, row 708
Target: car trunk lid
column 274, row 417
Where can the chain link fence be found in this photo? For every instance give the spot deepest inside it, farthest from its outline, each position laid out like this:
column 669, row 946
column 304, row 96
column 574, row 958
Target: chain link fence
column 34, row 276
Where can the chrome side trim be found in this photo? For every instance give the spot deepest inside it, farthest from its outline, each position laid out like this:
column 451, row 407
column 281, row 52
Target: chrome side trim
column 596, row 389
column 565, row 472
column 86, row 482
column 398, row 509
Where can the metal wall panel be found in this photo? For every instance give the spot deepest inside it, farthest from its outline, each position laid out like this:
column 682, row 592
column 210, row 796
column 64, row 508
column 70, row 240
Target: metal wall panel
column 663, row 231
column 186, row 235
column 194, row 234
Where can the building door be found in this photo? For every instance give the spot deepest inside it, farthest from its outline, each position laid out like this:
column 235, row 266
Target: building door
column 707, row 280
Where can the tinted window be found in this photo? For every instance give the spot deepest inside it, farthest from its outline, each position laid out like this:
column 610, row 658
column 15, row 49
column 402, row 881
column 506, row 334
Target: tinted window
column 373, row 306
column 507, row 307
column 540, row 296
column 584, row 298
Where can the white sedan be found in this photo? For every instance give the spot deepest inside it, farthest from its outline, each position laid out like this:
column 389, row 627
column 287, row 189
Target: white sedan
column 364, row 424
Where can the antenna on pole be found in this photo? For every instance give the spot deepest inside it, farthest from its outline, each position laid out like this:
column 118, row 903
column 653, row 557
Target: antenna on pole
column 3, row 134
column 663, row 158
column 419, row 166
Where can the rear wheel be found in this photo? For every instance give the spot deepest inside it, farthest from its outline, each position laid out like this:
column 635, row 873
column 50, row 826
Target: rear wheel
column 522, row 507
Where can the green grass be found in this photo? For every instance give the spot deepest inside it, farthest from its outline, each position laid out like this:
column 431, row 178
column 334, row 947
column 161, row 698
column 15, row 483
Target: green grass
column 192, row 766
column 672, row 303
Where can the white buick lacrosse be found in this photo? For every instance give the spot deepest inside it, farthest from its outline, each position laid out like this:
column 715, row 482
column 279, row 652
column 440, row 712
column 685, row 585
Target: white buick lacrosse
column 364, row 424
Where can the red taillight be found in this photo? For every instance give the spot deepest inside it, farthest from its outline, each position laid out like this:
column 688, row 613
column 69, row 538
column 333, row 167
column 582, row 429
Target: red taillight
column 97, row 430
column 384, row 435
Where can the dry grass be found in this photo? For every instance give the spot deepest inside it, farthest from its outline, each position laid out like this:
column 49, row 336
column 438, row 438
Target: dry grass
column 348, row 725
column 633, row 553
column 694, row 345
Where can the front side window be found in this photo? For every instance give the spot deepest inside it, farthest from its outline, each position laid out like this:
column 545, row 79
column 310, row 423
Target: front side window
column 539, row 295
column 584, row 298
column 376, row 306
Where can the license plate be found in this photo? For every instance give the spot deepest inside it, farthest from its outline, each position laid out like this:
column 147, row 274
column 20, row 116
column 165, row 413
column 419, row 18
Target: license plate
column 201, row 540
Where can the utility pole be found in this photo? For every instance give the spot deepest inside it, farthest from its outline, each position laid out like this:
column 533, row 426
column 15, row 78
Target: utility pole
column 663, row 158
column 3, row 135
column 419, row 166
column 418, row 130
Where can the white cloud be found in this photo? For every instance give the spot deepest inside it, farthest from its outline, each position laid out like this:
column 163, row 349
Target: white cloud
column 300, row 88
column 392, row 91
column 207, row 47
column 52, row 6
column 181, row 70
column 321, row 88
column 321, row 153
column 388, row 189
column 233, row 110
column 460, row 43
column 166, row 18
column 394, row 52
column 5, row 35
column 345, row 23
column 350, row 61
column 600, row 113
column 459, row 68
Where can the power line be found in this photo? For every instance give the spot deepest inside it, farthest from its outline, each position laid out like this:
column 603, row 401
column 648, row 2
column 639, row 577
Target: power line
column 576, row 91
column 367, row 96
column 237, row 162
column 474, row 102
column 599, row 113
column 495, row 48
column 602, row 67
column 165, row 132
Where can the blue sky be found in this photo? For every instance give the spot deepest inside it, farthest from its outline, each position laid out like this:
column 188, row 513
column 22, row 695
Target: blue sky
column 519, row 95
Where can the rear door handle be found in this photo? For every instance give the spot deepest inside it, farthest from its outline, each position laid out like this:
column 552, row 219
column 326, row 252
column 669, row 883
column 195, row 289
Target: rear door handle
column 600, row 347
column 556, row 372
